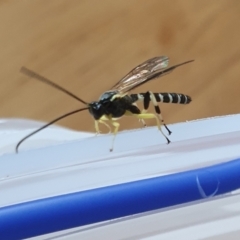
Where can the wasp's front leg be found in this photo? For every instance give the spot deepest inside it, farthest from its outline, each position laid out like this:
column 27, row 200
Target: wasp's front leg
column 102, row 121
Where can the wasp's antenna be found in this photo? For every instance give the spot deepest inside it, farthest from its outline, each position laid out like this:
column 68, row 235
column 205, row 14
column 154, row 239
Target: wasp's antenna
column 48, row 124
column 45, row 80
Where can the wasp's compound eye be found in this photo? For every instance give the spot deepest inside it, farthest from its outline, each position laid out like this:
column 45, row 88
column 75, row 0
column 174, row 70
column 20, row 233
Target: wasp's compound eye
column 96, row 110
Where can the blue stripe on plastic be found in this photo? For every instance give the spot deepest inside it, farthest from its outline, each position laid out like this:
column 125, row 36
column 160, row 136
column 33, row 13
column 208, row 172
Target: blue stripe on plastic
column 77, row 209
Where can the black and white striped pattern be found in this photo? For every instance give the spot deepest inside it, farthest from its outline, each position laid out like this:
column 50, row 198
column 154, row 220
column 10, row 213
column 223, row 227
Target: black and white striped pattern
column 172, row 98
column 160, row 97
column 178, row 98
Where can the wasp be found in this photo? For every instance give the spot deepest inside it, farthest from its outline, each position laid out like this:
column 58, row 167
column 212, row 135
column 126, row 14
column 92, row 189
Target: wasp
column 118, row 101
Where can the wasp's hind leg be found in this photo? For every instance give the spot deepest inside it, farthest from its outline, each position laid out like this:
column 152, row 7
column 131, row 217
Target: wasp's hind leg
column 149, row 96
column 134, row 111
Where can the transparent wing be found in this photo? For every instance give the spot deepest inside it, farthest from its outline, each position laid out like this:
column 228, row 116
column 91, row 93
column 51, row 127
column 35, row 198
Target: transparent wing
column 141, row 73
column 148, row 70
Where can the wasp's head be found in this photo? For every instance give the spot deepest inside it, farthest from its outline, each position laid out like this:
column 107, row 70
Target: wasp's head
column 96, row 109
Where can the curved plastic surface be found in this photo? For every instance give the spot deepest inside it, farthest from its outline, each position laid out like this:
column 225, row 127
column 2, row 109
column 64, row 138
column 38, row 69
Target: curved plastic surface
column 77, row 209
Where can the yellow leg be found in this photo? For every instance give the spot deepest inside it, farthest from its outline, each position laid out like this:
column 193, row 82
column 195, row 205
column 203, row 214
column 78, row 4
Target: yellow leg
column 113, row 122
column 155, row 104
column 116, row 127
column 141, row 120
column 96, row 127
column 157, row 109
column 149, row 116
column 102, row 122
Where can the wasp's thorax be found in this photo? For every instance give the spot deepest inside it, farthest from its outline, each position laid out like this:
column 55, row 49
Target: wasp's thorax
column 109, row 106
column 107, row 96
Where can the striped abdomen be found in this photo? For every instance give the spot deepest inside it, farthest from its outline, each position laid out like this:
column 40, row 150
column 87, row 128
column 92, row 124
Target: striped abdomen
column 165, row 97
column 172, row 98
